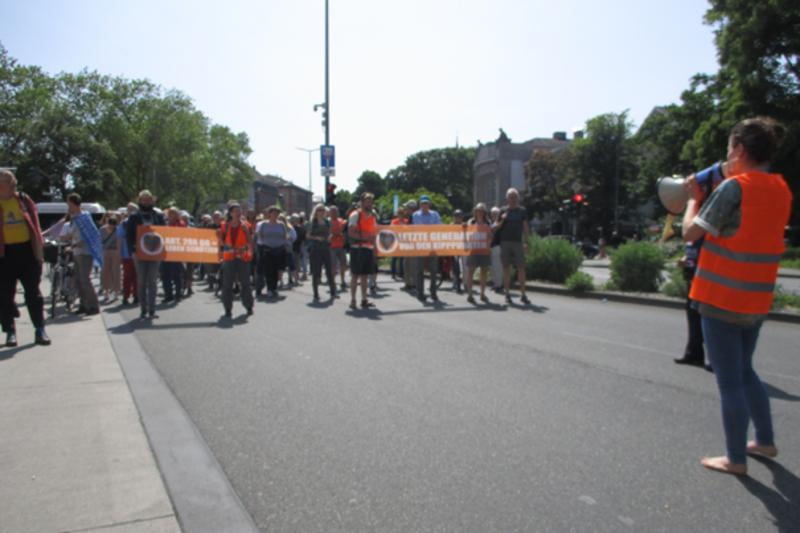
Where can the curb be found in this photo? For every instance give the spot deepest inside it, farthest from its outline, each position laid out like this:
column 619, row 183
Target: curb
column 640, row 299
column 654, row 300
column 200, row 492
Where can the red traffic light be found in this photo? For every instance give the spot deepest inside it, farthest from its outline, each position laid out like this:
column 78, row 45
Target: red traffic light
column 578, row 198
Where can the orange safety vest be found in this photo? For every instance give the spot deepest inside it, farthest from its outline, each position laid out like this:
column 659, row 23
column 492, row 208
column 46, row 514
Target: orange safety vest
column 337, row 233
column 230, row 248
column 367, row 225
column 738, row 273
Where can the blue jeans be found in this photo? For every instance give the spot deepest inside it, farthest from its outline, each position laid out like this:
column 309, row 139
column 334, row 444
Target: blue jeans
column 730, row 349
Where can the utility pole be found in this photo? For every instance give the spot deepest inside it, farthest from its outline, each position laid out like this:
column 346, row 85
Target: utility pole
column 327, row 94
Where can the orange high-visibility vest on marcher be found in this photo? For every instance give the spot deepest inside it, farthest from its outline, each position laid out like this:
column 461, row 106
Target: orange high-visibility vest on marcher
column 367, row 225
column 738, row 273
column 229, row 248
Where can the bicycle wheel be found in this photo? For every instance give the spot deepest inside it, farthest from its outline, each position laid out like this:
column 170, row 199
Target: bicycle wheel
column 55, row 290
column 68, row 291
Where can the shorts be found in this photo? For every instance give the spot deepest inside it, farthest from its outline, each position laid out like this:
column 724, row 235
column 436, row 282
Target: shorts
column 476, row 261
column 362, row 261
column 338, row 254
column 511, row 253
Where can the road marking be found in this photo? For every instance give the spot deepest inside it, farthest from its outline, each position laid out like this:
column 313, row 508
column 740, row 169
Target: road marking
column 609, row 341
column 661, row 352
column 625, row 520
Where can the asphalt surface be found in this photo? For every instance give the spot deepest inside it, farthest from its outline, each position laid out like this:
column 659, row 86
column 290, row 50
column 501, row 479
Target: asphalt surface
column 567, row 415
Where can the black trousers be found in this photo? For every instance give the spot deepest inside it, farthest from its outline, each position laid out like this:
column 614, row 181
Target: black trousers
column 694, row 345
column 270, row 262
column 19, row 263
column 320, row 257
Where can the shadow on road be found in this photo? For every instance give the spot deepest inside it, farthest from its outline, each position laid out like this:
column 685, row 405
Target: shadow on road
column 779, row 394
column 783, row 502
column 137, row 323
column 11, row 352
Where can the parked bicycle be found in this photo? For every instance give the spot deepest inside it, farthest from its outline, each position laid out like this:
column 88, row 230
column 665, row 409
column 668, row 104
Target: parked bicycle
column 62, row 275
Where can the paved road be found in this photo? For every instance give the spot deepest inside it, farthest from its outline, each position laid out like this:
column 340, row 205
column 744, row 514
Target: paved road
column 565, row 416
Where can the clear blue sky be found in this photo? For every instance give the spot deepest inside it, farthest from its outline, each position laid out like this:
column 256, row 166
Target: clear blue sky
column 405, row 75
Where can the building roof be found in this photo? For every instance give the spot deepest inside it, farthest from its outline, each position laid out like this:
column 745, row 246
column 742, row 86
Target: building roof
column 502, row 148
column 276, row 181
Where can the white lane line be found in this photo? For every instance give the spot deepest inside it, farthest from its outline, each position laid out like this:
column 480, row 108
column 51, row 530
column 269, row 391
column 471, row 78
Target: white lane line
column 617, row 343
column 661, row 352
column 776, row 375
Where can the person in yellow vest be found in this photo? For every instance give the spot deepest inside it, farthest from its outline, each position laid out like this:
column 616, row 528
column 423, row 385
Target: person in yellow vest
column 743, row 223
column 21, row 258
column 236, row 249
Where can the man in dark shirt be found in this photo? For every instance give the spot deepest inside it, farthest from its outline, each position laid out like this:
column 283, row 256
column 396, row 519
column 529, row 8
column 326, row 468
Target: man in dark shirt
column 513, row 228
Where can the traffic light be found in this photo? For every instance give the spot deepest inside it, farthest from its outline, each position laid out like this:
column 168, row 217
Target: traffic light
column 578, row 198
column 330, row 194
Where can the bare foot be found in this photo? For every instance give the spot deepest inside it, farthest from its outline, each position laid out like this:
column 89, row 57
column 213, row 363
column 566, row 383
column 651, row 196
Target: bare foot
column 724, row 465
column 757, row 449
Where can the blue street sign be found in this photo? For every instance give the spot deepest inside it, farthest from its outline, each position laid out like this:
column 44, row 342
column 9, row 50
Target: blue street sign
column 327, row 156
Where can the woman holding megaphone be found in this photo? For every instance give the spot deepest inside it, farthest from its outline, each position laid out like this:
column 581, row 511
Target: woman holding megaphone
column 743, row 223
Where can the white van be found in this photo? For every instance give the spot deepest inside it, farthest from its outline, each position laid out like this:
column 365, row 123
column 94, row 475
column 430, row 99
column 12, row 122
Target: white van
column 52, row 212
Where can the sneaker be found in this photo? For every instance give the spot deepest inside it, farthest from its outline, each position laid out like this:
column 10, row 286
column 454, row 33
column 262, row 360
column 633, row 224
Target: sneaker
column 524, row 299
column 143, row 315
column 249, row 311
column 470, row 299
column 484, row 299
column 11, row 339
column 353, row 305
column 508, row 298
column 434, row 297
column 366, row 304
column 41, row 337
column 153, row 314
column 135, row 300
column 125, row 302
column 228, row 314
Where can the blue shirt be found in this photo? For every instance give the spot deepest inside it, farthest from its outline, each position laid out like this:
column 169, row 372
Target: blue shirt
column 421, row 218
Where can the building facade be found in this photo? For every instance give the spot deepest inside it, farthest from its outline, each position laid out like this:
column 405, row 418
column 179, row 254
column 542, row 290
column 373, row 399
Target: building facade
column 271, row 190
column 500, row 165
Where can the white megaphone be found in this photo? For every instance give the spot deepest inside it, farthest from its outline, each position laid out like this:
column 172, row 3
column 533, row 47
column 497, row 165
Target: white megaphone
column 672, row 193
column 672, row 189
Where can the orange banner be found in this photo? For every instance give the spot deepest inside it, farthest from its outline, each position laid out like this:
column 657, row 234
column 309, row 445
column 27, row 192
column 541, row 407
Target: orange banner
column 426, row 240
column 177, row 245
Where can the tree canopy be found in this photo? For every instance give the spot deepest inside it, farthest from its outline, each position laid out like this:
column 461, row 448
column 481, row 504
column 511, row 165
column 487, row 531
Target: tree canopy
column 109, row 137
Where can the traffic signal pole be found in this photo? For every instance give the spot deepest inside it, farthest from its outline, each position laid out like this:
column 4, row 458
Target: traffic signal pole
column 327, row 95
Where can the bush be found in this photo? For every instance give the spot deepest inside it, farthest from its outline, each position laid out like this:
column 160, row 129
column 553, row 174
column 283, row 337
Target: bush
column 676, row 285
column 551, row 259
column 785, row 299
column 792, row 253
column 637, row 266
column 580, row 282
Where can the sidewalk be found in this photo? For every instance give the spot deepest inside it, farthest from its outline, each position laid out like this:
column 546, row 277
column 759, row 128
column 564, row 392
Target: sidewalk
column 73, row 452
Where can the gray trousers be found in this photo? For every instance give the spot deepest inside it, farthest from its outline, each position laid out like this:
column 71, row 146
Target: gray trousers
column 83, row 279
column 147, row 283
column 232, row 271
column 432, row 263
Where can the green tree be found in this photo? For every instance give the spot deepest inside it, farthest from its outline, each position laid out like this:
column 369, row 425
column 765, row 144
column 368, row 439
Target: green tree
column 370, row 181
column 447, row 171
column 385, row 204
column 603, row 166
